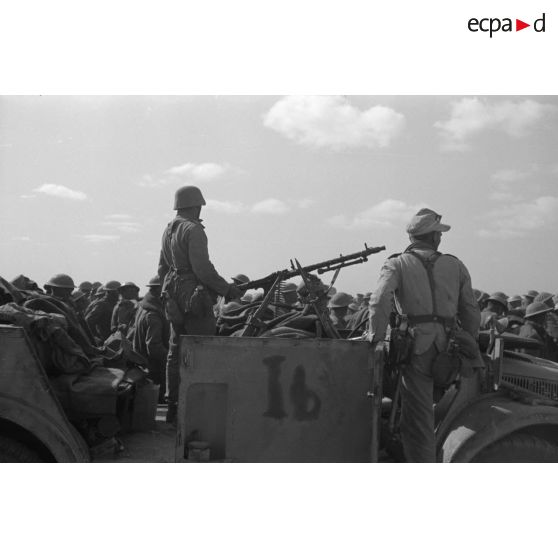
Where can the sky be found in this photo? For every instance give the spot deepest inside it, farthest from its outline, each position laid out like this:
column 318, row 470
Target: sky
column 87, row 183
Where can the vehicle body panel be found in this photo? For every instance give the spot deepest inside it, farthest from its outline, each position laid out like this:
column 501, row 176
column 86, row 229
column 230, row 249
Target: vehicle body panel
column 276, row 400
column 28, row 402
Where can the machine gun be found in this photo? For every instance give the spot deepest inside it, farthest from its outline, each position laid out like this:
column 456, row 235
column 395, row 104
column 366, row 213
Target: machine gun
column 322, row 267
column 272, row 283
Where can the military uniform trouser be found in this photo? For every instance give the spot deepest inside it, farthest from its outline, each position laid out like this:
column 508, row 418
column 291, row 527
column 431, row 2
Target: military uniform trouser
column 417, row 413
column 192, row 326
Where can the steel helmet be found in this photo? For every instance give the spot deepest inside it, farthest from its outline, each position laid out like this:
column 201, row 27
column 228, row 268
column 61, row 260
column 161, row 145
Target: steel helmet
column 531, row 294
column 536, row 309
column 188, row 196
column 340, row 300
column 500, row 297
column 129, row 284
column 86, row 286
column 154, row 282
column 111, row 286
column 240, row 278
column 289, row 288
column 61, row 281
column 78, row 295
column 543, row 297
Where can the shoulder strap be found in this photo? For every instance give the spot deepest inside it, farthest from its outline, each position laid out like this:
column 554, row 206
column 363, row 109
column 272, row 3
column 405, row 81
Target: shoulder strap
column 428, row 264
column 171, row 228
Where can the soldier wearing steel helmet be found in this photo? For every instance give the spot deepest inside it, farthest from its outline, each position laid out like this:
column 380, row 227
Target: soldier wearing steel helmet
column 99, row 313
column 434, row 291
column 61, row 287
column 190, row 283
column 338, row 309
column 151, row 335
column 534, row 327
column 496, row 308
column 124, row 312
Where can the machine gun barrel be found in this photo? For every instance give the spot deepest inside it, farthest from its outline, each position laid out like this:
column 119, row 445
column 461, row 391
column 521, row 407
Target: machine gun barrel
column 321, row 267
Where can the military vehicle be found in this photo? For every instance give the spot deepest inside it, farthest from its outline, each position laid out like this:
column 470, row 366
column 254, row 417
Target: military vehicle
column 309, row 400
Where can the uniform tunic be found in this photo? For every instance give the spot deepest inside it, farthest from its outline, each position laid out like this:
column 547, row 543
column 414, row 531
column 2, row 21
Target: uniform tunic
column 184, row 264
column 405, row 277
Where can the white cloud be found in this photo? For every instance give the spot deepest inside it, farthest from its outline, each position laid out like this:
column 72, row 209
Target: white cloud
column 122, row 223
column 27, row 196
column 471, row 116
column 22, row 238
column 225, row 206
column 331, row 121
column 271, row 205
column 519, row 219
column 61, row 192
column 508, row 175
column 187, row 172
column 119, row 217
column 203, row 171
column 100, row 237
column 303, row 203
column 384, row 214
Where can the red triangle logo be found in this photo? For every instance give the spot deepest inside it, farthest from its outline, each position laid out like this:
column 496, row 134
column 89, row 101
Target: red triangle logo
column 519, row 25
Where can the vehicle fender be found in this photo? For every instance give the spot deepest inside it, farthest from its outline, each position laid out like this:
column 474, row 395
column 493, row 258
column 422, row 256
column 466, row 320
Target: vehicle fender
column 488, row 420
column 62, row 441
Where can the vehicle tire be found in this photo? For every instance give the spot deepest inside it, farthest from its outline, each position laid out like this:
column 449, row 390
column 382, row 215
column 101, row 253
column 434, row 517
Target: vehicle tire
column 12, row 451
column 519, row 448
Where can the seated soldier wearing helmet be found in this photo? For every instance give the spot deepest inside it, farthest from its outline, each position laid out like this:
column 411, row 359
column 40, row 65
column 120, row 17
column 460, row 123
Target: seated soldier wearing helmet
column 99, row 313
column 151, row 335
column 339, row 308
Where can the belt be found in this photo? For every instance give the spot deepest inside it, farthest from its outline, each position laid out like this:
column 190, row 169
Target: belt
column 431, row 318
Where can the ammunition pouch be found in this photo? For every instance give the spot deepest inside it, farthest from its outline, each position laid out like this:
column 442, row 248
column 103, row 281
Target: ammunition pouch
column 201, row 302
column 400, row 347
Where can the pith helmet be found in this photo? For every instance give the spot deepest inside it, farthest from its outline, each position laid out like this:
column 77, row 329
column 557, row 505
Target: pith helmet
column 154, row 282
column 536, row 309
column 240, row 278
column 111, row 286
column 188, row 196
column 426, row 221
column 61, row 281
column 340, row 300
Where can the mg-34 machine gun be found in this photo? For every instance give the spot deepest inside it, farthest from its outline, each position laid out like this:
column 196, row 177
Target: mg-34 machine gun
column 272, row 285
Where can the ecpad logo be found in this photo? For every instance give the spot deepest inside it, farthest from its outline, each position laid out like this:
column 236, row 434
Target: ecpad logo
column 493, row 25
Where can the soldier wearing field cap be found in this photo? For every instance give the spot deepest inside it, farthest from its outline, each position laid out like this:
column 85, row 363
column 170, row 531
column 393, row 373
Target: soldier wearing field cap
column 151, row 335
column 190, row 283
column 99, row 313
column 434, row 291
